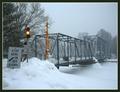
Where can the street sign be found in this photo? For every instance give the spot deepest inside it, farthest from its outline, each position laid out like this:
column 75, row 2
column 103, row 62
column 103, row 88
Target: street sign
column 14, row 57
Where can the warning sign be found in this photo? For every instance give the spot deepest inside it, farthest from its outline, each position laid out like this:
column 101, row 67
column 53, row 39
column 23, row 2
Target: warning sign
column 14, row 57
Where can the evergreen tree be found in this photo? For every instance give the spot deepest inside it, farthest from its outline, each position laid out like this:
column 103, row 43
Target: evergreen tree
column 10, row 33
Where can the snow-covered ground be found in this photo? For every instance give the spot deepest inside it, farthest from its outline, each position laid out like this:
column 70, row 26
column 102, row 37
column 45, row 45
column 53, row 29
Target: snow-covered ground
column 39, row 74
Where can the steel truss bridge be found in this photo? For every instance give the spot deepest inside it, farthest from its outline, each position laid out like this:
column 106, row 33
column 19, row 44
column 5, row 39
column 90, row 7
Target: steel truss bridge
column 68, row 50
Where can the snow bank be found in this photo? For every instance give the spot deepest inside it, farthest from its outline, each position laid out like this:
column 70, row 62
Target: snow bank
column 34, row 74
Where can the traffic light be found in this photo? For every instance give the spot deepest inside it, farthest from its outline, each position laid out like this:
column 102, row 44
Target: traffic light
column 27, row 32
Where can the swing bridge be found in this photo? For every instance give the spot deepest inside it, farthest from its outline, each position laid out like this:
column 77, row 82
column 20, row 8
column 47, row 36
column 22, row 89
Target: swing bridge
column 67, row 50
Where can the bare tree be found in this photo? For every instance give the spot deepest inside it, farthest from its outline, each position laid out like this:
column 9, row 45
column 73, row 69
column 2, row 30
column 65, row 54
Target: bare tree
column 31, row 15
column 108, row 38
column 83, row 35
column 16, row 16
column 114, row 46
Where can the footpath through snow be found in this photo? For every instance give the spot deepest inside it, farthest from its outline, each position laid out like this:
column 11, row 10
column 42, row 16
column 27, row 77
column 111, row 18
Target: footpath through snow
column 37, row 74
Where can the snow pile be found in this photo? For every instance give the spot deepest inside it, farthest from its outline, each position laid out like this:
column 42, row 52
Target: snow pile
column 34, row 74
column 95, row 59
column 39, row 74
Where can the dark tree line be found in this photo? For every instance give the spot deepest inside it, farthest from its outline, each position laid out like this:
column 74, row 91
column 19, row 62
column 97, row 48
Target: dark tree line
column 15, row 17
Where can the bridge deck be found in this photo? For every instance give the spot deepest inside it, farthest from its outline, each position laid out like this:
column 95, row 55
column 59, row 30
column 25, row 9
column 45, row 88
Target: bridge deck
column 83, row 62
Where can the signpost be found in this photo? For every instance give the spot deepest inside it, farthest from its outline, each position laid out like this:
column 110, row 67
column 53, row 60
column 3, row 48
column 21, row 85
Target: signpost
column 27, row 35
column 14, row 57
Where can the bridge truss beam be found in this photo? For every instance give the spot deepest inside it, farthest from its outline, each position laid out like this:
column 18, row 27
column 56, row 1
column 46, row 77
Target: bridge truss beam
column 70, row 49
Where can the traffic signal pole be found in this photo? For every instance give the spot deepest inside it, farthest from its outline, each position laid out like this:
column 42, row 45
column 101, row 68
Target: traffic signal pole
column 27, row 35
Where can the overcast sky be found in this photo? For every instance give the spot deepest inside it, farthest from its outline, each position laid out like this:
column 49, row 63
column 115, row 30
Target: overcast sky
column 72, row 18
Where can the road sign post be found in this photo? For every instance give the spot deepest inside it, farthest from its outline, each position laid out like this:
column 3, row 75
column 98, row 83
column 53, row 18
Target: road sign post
column 27, row 35
column 14, row 57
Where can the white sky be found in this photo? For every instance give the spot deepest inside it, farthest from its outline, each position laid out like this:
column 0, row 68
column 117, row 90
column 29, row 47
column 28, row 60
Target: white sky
column 72, row 18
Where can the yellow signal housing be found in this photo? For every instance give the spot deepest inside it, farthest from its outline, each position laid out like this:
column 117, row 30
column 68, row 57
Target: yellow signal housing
column 27, row 32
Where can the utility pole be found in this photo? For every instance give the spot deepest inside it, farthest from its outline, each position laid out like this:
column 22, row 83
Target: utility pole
column 46, row 40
